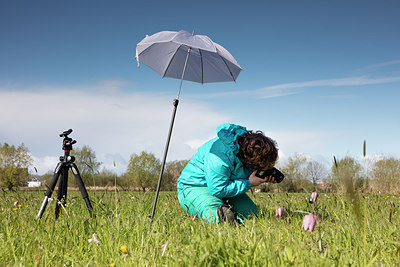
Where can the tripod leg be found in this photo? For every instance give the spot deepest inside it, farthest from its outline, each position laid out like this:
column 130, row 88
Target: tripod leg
column 82, row 188
column 62, row 190
column 50, row 189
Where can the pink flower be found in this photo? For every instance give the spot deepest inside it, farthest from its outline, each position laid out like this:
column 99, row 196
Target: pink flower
column 309, row 222
column 117, row 200
column 16, row 203
column 94, row 239
column 279, row 212
column 314, row 196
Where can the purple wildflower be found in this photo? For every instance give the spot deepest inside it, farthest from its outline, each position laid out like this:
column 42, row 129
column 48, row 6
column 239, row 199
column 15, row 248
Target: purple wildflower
column 309, row 222
column 314, row 196
column 279, row 212
column 94, row 239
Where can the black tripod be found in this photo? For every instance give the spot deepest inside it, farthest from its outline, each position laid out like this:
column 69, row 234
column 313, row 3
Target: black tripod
column 66, row 163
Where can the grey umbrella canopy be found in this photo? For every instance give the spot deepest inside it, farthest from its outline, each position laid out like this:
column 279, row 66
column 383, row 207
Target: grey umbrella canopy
column 189, row 57
column 207, row 62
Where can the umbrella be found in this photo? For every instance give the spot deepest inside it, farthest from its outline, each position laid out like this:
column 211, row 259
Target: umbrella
column 185, row 56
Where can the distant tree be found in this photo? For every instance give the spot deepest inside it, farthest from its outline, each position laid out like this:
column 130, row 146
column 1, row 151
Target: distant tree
column 14, row 163
column 46, row 178
column 295, row 172
column 106, row 178
column 172, row 172
column 124, row 181
column 316, row 172
column 346, row 174
column 386, row 176
column 87, row 164
column 143, row 170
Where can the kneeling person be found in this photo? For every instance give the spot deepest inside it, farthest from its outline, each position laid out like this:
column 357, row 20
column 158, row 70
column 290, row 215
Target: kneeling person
column 214, row 183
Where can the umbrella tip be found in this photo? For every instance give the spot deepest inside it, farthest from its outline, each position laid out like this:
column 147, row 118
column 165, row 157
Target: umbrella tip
column 137, row 60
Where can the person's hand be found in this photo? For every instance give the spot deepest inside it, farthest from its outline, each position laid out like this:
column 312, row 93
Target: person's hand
column 270, row 179
column 254, row 180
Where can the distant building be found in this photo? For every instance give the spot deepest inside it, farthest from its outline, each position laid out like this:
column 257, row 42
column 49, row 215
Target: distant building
column 35, row 182
column 324, row 185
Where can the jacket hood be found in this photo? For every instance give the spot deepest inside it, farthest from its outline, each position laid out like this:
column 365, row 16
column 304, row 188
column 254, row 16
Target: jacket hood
column 228, row 134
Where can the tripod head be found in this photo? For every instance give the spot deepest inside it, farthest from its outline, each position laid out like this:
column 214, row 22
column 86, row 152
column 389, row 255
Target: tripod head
column 67, row 142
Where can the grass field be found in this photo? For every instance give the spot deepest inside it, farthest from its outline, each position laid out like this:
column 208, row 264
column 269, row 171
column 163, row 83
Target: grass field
column 355, row 231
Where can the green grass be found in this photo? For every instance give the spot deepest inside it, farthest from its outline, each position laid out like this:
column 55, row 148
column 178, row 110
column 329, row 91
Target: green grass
column 176, row 240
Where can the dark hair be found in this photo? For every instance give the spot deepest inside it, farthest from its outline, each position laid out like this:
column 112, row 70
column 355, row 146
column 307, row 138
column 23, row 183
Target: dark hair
column 257, row 151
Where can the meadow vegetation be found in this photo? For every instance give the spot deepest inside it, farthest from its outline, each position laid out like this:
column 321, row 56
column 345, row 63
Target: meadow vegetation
column 357, row 213
column 352, row 229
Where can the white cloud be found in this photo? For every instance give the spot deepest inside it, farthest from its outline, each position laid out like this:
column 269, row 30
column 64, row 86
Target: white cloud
column 378, row 66
column 113, row 123
column 291, row 142
column 194, row 144
column 44, row 164
column 287, row 88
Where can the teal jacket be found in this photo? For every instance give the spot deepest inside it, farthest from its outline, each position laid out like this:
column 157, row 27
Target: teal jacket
column 217, row 166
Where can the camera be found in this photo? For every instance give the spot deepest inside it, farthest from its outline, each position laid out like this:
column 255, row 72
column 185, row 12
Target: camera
column 274, row 172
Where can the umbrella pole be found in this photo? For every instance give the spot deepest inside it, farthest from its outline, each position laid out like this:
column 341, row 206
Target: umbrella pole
column 171, row 125
column 175, row 103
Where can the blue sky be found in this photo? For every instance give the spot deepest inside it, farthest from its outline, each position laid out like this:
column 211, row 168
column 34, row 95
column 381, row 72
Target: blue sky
column 319, row 77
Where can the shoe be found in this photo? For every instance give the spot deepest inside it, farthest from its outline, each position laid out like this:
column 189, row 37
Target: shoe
column 227, row 213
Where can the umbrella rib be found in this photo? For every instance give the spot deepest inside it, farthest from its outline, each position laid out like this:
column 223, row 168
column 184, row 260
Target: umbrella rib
column 202, row 67
column 227, row 67
column 138, row 55
column 169, row 63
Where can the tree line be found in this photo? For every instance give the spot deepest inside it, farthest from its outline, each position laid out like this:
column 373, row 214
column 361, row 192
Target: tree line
column 301, row 173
